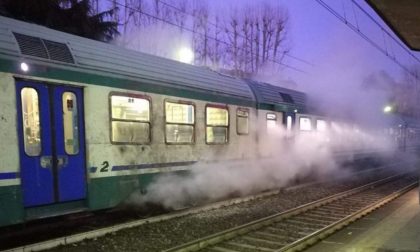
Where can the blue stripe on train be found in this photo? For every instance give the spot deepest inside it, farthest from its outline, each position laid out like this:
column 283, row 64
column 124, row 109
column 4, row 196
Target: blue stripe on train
column 156, row 165
column 8, row 175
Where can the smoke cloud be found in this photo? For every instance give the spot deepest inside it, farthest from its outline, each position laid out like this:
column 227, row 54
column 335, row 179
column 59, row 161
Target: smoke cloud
column 307, row 153
column 344, row 82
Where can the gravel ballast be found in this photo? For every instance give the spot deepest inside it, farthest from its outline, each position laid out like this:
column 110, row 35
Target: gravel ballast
column 166, row 234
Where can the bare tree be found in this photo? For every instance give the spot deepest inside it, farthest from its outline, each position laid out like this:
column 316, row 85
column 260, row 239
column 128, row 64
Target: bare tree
column 244, row 40
column 215, row 48
column 201, row 31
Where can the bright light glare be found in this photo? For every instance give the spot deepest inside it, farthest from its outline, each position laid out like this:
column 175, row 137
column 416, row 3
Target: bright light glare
column 387, row 109
column 186, row 55
column 24, row 67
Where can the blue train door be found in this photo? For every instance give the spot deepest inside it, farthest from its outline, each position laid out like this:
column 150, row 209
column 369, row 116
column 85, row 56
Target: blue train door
column 51, row 143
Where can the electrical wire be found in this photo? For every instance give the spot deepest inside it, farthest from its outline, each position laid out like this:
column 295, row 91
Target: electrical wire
column 229, row 31
column 199, row 33
column 365, row 37
column 383, row 28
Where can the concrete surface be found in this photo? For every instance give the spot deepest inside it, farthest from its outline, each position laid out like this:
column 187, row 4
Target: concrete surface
column 394, row 227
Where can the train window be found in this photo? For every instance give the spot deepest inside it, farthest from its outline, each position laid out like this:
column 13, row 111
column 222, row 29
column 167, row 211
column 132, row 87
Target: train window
column 242, row 122
column 321, row 125
column 31, row 123
column 305, row 124
column 217, row 124
column 130, row 119
column 180, row 121
column 289, row 123
column 70, row 123
column 271, row 120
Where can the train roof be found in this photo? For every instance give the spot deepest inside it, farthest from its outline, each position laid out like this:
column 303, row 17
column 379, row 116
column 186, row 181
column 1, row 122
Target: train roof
column 51, row 49
column 277, row 98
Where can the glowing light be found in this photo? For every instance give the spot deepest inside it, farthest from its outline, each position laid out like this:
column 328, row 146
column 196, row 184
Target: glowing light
column 387, row 109
column 186, row 55
column 295, row 110
column 24, row 67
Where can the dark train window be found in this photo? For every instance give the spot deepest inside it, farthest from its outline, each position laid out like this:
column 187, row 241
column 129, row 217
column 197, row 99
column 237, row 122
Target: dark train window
column 242, row 121
column 31, row 123
column 217, row 124
column 130, row 119
column 180, row 121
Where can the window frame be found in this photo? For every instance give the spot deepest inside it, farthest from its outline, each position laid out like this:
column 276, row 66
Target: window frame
column 274, row 119
column 289, row 127
column 64, row 133
column 271, row 119
column 325, row 123
column 40, row 125
column 188, row 124
column 111, row 119
column 310, row 120
column 219, row 106
column 247, row 117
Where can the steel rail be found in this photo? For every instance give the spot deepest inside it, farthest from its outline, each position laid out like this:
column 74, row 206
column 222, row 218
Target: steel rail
column 93, row 234
column 267, row 221
column 330, row 229
column 70, row 239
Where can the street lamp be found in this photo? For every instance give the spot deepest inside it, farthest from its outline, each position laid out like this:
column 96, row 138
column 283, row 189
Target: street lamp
column 186, row 55
column 387, row 109
column 402, row 127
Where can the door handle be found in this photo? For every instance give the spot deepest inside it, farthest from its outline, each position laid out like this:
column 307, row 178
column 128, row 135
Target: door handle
column 46, row 162
column 62, row 161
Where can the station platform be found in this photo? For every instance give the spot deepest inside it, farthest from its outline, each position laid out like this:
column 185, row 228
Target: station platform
column 394, row 227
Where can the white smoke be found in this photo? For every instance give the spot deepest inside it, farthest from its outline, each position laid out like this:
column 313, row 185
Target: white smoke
column 307, row 153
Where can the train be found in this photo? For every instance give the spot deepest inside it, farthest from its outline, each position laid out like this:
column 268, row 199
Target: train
column 84, row 124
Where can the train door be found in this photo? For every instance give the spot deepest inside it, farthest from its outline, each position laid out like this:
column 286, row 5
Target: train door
column 51, row 143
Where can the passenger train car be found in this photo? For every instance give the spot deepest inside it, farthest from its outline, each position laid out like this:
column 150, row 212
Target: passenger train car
column 84, row 123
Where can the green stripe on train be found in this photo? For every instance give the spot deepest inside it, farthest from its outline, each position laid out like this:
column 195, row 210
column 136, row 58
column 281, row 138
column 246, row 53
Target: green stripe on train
column 11, row 209
column 103, row 193
column 108, row 192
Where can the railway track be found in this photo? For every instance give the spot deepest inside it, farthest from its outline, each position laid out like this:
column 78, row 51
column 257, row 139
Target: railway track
column 295, row 229
column 94, row 232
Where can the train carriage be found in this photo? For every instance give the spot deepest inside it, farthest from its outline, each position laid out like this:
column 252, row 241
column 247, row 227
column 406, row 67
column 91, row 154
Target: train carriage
column 83, row 124
column 277, row 108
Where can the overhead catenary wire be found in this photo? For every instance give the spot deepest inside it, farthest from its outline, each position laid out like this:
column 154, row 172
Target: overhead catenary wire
column 287, row 54
column 384, row 29
column 366, row 38
column 355, row 15
column 202, row 34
